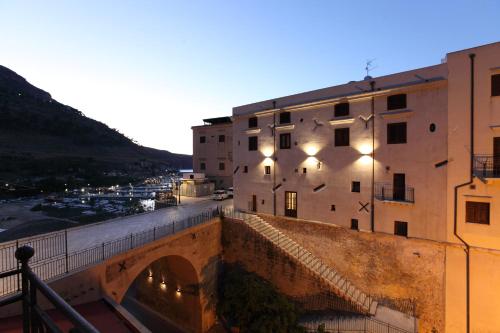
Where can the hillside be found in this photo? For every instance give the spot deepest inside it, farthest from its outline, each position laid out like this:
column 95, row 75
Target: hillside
column 40, row 137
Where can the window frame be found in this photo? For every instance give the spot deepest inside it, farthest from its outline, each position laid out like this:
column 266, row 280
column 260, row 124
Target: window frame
column 223, row 165
column 267, row 169
column 341, row 109
column 251, row 121
column 223, row 137
column 203, row 166
column 245, row 169
column 203, row 139
column 495, row 85
column 253, row 146
column 394, row 140
column 355, row 224
column 285, row 144
column 339, row 137
column 469, row 206
column 393, row 102
column 285, row 117
column 401, row 228
column 356, row 186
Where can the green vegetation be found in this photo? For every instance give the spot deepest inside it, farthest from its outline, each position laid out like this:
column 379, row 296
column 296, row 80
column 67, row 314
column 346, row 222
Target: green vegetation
column 253, row 305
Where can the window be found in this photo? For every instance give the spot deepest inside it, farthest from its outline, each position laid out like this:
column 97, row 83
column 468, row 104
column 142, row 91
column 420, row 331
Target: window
column 203, row 139
column 245, row 169
column 354, row 224
column 495, row 85
column 396, row 133
column 252, row 143
column 356, row 187
column 342, row 137
column 285, row 118
column 477, row 212
column 304, row 170
column 253, row 122
column 285, row 141
column 267, row 169
column 401, row 228
column 332, row 208
column 395, row 102
column 222, row 138
column 222, row 166
column 341, row 110
column 202, row 166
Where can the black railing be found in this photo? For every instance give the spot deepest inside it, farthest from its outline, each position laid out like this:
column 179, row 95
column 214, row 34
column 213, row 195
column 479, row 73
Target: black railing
column 34, row 318
column 58, row 261
column 487, row 166
column 349, row 324
column 387, row 192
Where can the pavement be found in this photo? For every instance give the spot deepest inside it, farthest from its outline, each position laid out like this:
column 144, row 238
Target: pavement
column 80, row 238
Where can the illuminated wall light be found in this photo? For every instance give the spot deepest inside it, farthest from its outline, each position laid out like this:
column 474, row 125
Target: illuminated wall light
column 311, row 150
column 267, row 151
column 178, row 292
column 163, row 285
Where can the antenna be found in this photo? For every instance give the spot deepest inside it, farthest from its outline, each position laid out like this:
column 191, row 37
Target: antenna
column 369, row 67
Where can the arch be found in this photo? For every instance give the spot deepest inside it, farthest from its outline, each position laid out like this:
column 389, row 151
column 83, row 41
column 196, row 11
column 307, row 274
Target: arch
column 169, row 286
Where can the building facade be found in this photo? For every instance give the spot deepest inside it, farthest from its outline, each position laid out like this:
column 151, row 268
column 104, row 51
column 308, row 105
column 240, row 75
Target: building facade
column 213, row 151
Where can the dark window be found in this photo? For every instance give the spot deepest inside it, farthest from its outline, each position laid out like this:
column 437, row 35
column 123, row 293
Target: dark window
column 395, row 102
column 285, row 118
column 245, row 169
column 203, row 139
column 267, row 169
column 332, row 208
column 477, row 212
column 191, row 176
column 253, row 122
column 396, row 133
column 356, row 187
column 252, row 143
column 304, row 170
column 495, row 85
column 285, row 141
column 222, row 138
column 354, row 224
column 202, row 166
column 342, row 136
column 221, row 166
column 401, row 228
column 341, row 110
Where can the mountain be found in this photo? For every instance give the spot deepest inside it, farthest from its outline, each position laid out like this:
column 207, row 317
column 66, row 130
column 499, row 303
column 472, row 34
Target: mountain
column 40, row 137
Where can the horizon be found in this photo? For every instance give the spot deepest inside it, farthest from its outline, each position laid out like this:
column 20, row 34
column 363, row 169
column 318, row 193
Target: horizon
column 136, row 67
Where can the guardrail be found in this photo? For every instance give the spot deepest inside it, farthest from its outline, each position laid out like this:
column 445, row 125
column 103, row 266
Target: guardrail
column 486, row 166
column 349, row 324
column 387, row 192
column 56, row 262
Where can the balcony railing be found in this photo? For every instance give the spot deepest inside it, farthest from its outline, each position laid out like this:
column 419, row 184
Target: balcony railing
column 387, row 192
column 487, row 166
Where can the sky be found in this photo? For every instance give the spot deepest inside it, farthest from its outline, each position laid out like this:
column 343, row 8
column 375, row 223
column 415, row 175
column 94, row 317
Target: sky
column 153, row 69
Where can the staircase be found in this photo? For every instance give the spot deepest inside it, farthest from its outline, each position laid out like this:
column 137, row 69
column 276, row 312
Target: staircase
column 338, row 284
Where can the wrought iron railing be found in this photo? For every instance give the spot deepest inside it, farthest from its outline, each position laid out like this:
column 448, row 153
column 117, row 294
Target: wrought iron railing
column 486, row 166
column 388, row 192
column 51, row 263
column 349, row 324
column 34, row 318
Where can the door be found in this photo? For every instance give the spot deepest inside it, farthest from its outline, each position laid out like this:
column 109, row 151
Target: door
column 254, row 203
column 291, row 204
column 496, row 157
column 398, row 190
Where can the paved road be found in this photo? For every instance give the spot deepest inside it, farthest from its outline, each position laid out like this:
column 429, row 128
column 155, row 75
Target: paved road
column 91, row 235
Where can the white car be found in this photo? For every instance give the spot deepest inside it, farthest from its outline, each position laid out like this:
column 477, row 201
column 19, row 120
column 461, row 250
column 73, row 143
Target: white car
column 220, row 195
column 230, row 192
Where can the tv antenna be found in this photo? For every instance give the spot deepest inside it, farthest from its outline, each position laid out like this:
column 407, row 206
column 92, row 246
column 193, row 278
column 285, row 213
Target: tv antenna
column 369, row 67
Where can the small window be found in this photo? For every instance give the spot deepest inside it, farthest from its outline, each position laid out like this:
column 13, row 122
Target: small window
column 354, row 224
column 203, row 139
column 396, row 133
column 253, row 122
column 285, row 118
column 222, row 138
column 267, row 169
column 342, row 137
column 252, row 143
column 356, row 187
column 401, row 228
column 395, row 102
column 304, row 170
column 341, row 110
column 202, row 166
column 245, row 169
column 332, row 208
column 222, row 166
column 477, row 212
column 285, row 141
column 495, row 85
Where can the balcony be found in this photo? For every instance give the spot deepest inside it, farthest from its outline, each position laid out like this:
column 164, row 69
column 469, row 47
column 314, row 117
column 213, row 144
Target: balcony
column 387, row 192
column 486, row 166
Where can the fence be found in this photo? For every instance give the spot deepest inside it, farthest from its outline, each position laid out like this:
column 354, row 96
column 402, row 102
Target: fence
column 387, row 192
column 349, row 324
column 51, row 263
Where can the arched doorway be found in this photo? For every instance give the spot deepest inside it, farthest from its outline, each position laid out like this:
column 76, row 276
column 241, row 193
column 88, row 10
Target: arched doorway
column 166, row 294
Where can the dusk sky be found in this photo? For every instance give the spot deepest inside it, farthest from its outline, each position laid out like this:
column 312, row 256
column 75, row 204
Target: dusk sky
column 153, row 69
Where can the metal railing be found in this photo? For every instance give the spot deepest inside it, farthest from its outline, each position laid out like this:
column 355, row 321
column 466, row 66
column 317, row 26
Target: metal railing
column 486, row 166
column 34, row 319
column 387, row 192
column 57, row 262
column 351, row 324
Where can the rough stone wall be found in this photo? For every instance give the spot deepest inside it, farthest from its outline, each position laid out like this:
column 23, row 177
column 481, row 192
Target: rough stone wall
column 401, row 273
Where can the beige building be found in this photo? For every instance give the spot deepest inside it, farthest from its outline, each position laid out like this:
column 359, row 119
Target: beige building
column 213, row 151
column 414, row 154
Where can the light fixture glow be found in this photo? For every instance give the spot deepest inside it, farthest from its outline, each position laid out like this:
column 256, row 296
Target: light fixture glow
column 311, row 150
column 267, row 151
column 365, row 149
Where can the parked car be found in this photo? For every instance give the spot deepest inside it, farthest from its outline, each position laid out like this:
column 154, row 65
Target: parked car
column 230, row 192
column 220, row 195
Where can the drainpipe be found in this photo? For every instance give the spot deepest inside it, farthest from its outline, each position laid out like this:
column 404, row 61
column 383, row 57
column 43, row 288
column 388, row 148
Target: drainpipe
column 372, row 200
column 274, row 159
column 471, row 177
